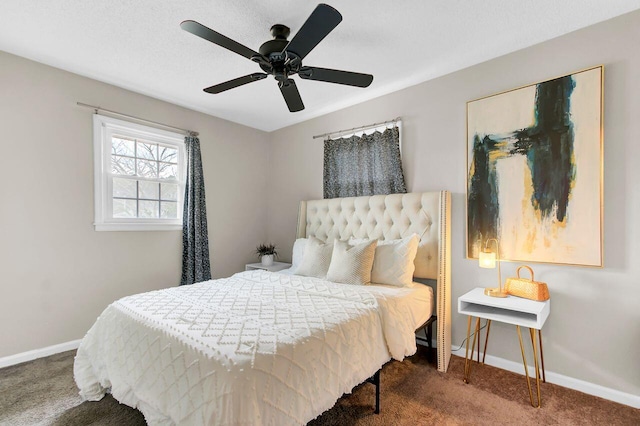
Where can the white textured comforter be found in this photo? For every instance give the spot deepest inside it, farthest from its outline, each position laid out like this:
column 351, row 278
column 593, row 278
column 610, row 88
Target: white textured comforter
column 257, row 348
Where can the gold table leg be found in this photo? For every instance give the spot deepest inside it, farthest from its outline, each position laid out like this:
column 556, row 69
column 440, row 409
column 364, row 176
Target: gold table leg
column 544, row 379
column 476, row 334
column 486, row 340
column 467, row 366
column 468, row 357
column 524, row 362
column 532, row 333
column 479, row 338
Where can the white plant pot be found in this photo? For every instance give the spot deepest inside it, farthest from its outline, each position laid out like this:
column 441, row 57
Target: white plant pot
column 267, row 260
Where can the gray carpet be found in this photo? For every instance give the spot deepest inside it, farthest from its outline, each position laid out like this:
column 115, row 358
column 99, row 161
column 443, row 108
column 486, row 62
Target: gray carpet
column 42, row 392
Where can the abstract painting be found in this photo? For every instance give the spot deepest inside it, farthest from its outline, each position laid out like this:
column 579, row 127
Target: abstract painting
column 534, row 164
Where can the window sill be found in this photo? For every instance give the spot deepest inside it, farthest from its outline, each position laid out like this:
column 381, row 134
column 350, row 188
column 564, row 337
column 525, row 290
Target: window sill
column 137, row 226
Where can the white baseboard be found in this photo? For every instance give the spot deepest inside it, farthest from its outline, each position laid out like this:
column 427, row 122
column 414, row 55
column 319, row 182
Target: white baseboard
column 38, row 353
column 561, row 380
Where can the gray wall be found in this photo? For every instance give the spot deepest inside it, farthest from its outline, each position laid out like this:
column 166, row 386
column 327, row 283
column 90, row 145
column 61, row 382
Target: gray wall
column 56, row 273
column 594, row 328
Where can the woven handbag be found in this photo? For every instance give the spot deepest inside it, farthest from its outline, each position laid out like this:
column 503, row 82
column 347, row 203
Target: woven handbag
column 527, row 288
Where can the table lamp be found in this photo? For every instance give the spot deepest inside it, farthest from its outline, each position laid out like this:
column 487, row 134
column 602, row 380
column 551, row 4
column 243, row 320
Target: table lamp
column 488, row 259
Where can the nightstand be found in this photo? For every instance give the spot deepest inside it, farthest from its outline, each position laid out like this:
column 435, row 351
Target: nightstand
column 509, row 310
column 277, row 266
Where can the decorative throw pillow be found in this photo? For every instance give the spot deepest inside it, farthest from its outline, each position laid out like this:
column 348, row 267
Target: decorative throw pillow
column 316, row 258
column 352, row 264
column 394, row 261
column 298, row 253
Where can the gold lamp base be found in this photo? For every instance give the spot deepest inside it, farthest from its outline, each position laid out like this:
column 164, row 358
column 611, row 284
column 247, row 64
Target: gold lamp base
column 495, row 292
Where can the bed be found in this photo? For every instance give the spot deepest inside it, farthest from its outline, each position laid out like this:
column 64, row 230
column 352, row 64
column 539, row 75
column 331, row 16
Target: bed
column 266, row 348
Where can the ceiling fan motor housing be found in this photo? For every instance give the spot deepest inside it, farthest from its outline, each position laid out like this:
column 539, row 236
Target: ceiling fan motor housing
column 280, row 33
column 281, row 63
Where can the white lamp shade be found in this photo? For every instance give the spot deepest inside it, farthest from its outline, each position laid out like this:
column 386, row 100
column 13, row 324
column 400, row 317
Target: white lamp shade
column 487, row 259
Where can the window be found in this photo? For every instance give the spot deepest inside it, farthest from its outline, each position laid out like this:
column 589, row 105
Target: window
column 139, row 176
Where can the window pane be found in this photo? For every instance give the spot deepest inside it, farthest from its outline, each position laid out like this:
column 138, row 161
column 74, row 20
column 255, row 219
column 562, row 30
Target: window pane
column 147, row 150
column 148, row 209
column 168, row 171
column 121, row 146
column 123, row 165
column 148, row 169
column 169, row 210
column 169, row 191
column 124, row 208
column 148, row 190
column 124, row 188
column 170, row 155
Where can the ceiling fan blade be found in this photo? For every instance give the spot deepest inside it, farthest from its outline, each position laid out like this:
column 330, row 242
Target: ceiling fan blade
column 214, row 37
column 236, row 82
column 336, row 76
column 291, row 95
column 320, row 23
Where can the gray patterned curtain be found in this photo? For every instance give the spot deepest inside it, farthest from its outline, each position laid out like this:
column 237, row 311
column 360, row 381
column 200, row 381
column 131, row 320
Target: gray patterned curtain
column 363, row 165
column 195, row 240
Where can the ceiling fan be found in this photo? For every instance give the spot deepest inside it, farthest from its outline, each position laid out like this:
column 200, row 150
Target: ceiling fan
column 282, row 58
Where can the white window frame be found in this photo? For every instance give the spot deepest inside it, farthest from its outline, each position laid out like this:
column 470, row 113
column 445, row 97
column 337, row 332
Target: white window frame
column 103, row 129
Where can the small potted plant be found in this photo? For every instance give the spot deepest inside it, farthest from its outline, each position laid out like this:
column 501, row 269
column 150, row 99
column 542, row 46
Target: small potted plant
column 266, row 252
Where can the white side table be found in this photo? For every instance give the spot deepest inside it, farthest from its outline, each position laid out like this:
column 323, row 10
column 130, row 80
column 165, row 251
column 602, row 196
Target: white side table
column 277, row 266
column 509, row 310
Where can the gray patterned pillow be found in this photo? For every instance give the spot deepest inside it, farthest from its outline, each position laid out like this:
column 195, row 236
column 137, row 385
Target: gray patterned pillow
column 352, row 264
column 316, row 258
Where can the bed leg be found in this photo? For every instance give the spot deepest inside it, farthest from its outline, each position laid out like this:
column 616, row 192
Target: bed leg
column 376, row 382
column 429, row 334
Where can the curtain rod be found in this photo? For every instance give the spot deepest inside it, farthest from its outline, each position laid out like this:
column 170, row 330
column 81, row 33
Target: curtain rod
column 97, row 108
column 359, row 128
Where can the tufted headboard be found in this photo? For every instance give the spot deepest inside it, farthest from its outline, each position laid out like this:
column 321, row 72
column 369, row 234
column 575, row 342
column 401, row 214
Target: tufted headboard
column 394, row 216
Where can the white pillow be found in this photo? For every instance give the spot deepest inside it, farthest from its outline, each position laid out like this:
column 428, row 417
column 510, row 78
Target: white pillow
column 393, row 263
column 352, row 264
column 316, row 259
column 298, row 253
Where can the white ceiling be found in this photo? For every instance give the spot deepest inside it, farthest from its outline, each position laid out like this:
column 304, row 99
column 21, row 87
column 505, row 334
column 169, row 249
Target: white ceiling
column 138, row 45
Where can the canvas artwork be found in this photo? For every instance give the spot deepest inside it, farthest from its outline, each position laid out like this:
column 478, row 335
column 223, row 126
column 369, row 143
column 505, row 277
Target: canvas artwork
column 534, row 163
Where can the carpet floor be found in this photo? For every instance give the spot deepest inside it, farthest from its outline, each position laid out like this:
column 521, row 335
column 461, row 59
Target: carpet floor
column 42, row 392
